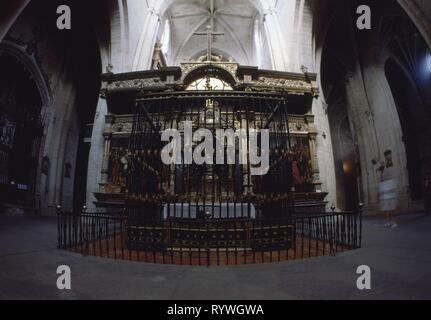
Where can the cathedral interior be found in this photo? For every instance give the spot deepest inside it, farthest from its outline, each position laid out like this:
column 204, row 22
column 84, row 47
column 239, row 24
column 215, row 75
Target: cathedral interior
column 336, row 94
column 358, row 100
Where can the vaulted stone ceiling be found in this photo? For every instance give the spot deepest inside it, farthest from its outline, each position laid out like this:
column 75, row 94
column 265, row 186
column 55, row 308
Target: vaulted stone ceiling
column 234, row 18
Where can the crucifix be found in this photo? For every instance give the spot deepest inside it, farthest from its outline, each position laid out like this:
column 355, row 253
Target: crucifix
column 210, row 31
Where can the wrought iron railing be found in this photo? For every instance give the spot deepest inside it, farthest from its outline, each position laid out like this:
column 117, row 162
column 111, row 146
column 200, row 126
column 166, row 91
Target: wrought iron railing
column 209, row 241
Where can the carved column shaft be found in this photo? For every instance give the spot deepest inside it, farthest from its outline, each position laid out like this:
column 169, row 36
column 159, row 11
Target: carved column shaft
column 107, row 149
column 277, row 44
column 143, row 58
column 312, row 138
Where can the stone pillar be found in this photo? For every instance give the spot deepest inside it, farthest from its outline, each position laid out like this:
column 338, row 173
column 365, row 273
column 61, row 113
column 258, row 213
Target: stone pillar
column 324, row 150
column 55, row 146
column 312, row 138
column 362, row 117
column 384, row 122
column 147, row 41
column 9, row 12
column 277, row 44
column 107, row 135
column 94, row 177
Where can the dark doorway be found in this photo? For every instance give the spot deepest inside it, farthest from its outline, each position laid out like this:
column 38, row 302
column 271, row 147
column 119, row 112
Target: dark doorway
column 86, row 71
column 346, row 159
column 408, row 103
column 20, row 133
column 350, row 178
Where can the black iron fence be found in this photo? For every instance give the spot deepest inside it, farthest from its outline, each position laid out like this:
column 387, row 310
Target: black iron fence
column 209, row 241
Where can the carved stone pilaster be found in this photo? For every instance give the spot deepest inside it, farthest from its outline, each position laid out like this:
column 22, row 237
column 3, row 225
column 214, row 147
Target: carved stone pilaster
column 312, row 136
column 107, row 134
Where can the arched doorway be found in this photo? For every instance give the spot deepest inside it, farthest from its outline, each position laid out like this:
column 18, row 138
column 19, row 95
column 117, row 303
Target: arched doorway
column 49, row 90
column 21, row 132
column 346, row 153
column 334, row 76
column 408, row 104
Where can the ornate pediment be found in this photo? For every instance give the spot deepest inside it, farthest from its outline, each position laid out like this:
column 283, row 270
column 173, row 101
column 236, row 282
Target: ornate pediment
column 202, row 68
column 240, row 78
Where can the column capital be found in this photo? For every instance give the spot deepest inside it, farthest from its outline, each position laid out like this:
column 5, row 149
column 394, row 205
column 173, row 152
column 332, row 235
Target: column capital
column 269, row 11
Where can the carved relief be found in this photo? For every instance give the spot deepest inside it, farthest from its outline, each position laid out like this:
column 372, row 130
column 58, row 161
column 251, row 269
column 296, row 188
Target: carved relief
column 262, row 84
column 125, row 127
column 284, row 83
column 298, row 126
column 135, row 84
column 188, row 67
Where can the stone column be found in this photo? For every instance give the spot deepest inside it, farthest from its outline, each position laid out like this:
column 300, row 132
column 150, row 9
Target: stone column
column 55, row 146
column 94, row 177
column 324, row 150
column 312, row 138
column 107, row 135
column 362, row 117
column 384, row 122
column 147, row 41
column 276, row 41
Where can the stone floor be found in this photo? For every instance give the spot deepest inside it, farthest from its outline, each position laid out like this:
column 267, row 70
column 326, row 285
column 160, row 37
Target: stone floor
column 400, row 259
